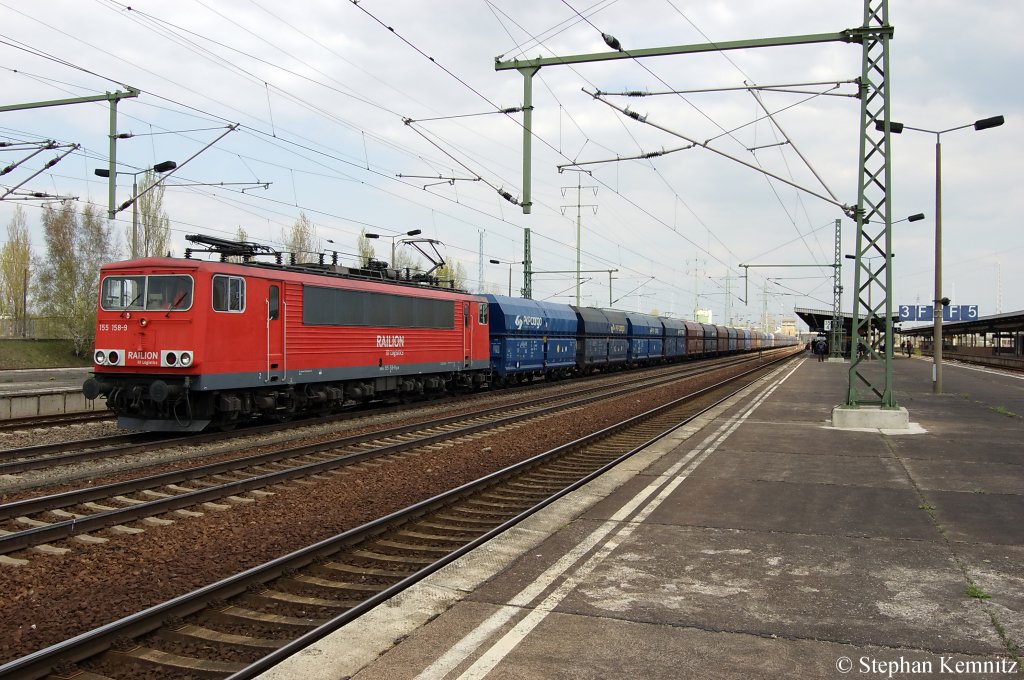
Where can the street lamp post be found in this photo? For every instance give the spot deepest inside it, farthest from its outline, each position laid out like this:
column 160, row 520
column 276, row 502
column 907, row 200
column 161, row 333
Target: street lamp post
column 509, row 272
column 414, row 232
column 166, row 166
column 983, row 124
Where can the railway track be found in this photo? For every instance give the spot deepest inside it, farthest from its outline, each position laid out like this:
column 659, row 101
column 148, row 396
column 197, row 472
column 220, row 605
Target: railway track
column 139, row 504
column 62, row 419
column 44, row 456
column 242, row 625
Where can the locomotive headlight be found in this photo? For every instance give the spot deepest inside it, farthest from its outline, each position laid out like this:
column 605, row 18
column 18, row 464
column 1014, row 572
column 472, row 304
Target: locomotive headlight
column 143, row 322
column 108, row 357
column 176, row 358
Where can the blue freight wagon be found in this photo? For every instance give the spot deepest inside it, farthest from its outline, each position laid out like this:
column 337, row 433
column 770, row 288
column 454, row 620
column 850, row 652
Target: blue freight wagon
column 646, row 338
column 603, row 340
column 733, row 337
column 710, row 339
column 530, row 338
column 674, row 347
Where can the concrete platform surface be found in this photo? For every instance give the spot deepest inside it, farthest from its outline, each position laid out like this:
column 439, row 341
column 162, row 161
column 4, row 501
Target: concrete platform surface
column 760, row 542
column 42, row 379
column 26, row 393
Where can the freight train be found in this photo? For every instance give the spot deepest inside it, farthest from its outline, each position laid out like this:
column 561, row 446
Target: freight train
column 183, row 344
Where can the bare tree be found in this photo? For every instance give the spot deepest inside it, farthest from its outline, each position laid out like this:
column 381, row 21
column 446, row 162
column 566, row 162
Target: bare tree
column 67, row 280
column 241, row 235
column 154, row 237
column 302, row 240
column 452, row 271
column 55, row 283
column 364, row 248
column 15, row 268
column 94, row 246
column 405, row 258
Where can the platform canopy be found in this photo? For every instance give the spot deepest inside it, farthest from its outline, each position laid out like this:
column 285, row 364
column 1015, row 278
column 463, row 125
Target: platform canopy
column 820, row 320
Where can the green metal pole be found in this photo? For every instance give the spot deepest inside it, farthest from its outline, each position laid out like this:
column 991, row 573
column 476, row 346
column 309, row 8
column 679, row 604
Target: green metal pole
column 837, row 302
column 112, row 165
column 527, row 136
column 937, row 306
column 873, row 208
column 527, row 266
column 579, row 200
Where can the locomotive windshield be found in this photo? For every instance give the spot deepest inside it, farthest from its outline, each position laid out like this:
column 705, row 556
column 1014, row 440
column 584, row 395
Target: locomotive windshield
column 167, row 292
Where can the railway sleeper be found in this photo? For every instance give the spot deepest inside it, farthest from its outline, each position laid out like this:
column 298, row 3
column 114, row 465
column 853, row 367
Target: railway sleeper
column 234, row 615
column 414, row 547
column 190, row 633
column 276, row 597
column 155, row 658
column 306, row 581
column 385, row 558
column 355, row 570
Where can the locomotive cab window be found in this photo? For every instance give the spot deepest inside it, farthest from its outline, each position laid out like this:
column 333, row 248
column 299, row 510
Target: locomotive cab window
column 123, row 292
column 482, row 310
column 173, row 293
column 228, row 294
column 165, row 292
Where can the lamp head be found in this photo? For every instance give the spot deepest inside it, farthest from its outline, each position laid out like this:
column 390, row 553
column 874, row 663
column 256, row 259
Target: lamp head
column 986, row 123
column 894, row 127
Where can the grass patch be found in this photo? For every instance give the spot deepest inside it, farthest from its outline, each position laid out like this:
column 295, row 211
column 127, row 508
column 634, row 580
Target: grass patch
column 976, row 592
column 1003, row 411
column 39, row 354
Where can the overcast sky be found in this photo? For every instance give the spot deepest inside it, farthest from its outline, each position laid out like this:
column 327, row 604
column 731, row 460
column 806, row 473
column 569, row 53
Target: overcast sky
column 348, row 110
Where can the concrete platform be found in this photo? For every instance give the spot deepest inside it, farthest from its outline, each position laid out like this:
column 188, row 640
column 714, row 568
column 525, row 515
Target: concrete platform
column 43, row 392
column 759, row 543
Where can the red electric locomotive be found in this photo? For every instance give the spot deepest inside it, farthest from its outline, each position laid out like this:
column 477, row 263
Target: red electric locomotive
column 183, row 343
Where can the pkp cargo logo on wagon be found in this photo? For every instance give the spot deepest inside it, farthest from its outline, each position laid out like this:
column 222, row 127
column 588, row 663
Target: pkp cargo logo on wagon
column 523, row 321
